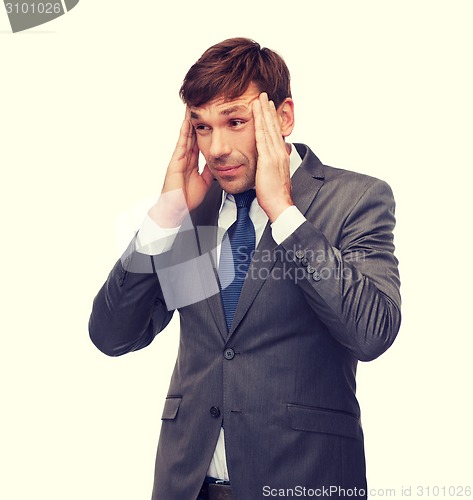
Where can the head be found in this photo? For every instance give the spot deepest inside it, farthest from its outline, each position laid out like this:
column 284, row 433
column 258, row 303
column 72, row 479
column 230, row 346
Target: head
column 219, row 89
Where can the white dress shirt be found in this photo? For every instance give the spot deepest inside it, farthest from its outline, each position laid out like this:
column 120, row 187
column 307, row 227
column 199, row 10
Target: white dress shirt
column 153, row 239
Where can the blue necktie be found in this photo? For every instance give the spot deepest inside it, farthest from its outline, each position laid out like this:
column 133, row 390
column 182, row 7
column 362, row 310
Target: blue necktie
column 236, row 256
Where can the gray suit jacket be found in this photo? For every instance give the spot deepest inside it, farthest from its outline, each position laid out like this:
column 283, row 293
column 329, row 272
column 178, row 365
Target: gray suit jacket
column 282, row 381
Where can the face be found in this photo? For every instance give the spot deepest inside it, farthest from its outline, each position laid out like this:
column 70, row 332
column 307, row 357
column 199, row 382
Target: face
column 225, row 133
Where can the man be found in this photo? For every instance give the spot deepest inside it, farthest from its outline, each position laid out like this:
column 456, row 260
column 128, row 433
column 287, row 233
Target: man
column 262, row 398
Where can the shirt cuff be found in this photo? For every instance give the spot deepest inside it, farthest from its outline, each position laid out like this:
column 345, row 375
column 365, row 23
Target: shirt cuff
column 153, row 239
column 286, row 224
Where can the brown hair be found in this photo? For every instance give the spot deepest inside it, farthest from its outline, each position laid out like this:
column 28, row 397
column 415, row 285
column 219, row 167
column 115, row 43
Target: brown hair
column 227, row 69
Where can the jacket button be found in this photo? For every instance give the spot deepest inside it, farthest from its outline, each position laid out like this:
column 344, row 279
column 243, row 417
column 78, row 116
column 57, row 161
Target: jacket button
column 214, row 411
column 304, row 262
column 316, row 276
column 229, row 354
column 310, row 269
column 300, row 254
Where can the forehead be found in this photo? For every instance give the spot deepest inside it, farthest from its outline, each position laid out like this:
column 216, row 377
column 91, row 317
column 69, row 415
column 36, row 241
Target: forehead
column 223, row 106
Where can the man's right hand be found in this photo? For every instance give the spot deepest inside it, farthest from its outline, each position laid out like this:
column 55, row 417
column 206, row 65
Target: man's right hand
column 184, row 187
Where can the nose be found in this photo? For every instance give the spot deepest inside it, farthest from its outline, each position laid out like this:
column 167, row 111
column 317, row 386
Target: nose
column 219, row 144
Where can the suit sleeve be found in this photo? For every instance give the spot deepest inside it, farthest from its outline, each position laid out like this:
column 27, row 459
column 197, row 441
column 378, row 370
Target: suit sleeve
column 129, row 309
column 354, row 287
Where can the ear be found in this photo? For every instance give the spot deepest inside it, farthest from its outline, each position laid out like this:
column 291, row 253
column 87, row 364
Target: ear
column 286, row 116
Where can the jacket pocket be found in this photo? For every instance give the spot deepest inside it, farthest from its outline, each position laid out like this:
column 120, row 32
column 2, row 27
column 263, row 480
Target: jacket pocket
column 324, row 420
column 171, row 407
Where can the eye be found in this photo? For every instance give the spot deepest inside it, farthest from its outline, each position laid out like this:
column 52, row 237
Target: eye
column 236, row 123
column 201, row 128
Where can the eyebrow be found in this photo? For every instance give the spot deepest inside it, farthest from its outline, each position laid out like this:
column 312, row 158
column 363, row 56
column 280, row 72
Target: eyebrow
column 233, row 109
column 225, row 112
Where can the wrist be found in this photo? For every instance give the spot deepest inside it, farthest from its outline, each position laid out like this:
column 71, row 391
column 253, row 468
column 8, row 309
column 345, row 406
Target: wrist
column 170, row 209
column 274, row 211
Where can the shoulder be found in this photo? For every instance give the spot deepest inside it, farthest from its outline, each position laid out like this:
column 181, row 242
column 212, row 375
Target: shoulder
column 350, row 183
column 344, row 181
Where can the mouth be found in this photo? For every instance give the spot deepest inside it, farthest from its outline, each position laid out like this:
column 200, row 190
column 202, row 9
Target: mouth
column 227, row 169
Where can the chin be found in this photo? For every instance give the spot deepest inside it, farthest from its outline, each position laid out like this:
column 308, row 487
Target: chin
column 235, row 186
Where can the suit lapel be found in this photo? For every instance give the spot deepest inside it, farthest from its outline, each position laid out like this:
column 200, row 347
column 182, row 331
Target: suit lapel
column 205, row 221
column 306, row 182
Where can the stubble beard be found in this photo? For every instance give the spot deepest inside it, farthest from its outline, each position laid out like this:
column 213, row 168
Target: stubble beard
column 243, row 179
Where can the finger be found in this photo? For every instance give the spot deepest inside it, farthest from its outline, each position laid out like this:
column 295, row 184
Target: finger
column 260, row 132
column 275, row 140
column 272, row 125
column 279, row 142
column 194, row 157
column 182, row 142
column 191, row 137
column 186, row 141
column 274, row 118
column 191, row 140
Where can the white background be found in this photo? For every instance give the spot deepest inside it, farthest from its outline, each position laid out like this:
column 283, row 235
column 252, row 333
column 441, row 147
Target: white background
column 89, row 117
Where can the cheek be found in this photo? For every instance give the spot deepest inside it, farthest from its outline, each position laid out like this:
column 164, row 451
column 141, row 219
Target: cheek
column 200, row 142
column 203, row 145
column 248, row 144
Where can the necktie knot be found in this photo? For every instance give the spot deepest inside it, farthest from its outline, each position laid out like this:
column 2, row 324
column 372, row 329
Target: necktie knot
column 245, row 199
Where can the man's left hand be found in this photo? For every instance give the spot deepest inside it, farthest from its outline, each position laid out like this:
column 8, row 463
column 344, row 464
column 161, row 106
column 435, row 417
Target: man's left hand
column 273, row 180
